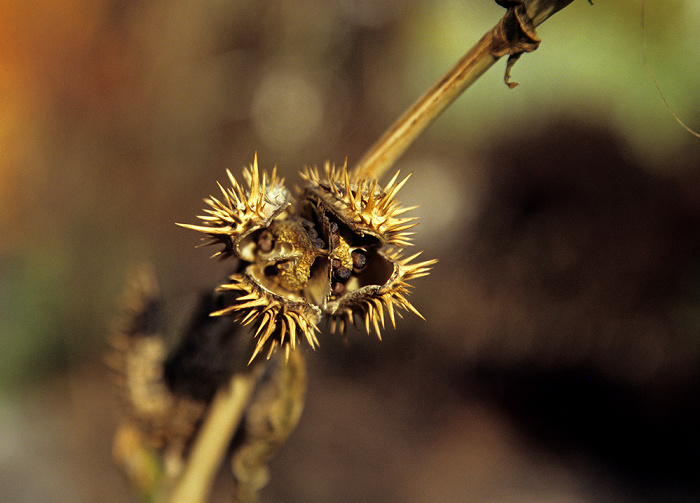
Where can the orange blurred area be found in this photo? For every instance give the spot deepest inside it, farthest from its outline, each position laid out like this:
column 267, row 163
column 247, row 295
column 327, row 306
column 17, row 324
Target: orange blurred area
column 561, row 353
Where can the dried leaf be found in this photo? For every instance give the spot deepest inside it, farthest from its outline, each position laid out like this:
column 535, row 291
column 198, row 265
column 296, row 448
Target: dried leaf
column 513, row 35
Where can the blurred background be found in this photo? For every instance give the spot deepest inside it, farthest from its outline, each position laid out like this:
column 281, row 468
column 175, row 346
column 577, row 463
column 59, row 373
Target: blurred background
column 560, row 359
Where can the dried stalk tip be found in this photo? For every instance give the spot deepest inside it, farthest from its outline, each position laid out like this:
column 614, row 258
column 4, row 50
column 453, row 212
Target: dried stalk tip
column 515, row 33
column 337, row 251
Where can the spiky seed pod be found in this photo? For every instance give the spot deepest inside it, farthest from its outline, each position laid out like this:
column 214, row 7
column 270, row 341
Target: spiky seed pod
column 138, row 351
column 281, row 321
column 242, row 211
column 336, row 251
column 367, row 303
column 361, row 204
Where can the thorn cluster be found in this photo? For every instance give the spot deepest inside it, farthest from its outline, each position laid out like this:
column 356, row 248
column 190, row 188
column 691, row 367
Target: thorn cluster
column 242, row 209
column 337, row 251
column 369, row 306
column 274, row 314
column 363, row 203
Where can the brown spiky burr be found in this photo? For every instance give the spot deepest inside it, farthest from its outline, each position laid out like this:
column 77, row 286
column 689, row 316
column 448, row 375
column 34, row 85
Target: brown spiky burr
column 336, row 250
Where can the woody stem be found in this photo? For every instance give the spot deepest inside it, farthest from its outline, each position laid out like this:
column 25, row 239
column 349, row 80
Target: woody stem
column 396, row 140
column 225, row 414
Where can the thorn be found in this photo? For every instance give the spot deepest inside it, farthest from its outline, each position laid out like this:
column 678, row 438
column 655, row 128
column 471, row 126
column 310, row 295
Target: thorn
column 198, row 228
column 401, row 210
column 375, row 322
column 271, row 350
column 379, row 307
column 224, row 311
column 257, row 349
column 292, row 331
column 369, row 206
column 389, row 303
column 254, row 182
column 394, row 190
column 253, row 303
column 408, row 306
column 392, row 181
column 283, row 332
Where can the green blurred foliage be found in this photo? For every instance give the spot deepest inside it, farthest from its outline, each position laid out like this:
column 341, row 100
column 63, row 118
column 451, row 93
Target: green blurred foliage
column 32, row 335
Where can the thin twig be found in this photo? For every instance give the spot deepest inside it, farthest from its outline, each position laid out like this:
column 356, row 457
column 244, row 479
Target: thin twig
column 394, row 142
column 658, row 88
column 225, row 414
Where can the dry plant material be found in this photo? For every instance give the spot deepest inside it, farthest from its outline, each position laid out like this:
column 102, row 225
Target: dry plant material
column 513, row 35
column 336, row 251
column 268, row 422
column 137, row 361
column 180, row 415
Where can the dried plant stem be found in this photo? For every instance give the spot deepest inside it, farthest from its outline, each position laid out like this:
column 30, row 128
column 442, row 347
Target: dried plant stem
column 394, row 142
column 225, row 414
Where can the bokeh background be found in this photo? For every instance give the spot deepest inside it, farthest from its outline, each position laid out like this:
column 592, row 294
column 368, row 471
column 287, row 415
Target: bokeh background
column 561, row 353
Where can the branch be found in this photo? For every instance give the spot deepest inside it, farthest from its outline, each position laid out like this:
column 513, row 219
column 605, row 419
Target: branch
column 512, row 36
column 225, row 414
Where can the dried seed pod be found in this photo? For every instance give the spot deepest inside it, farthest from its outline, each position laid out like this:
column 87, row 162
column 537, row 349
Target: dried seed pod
column 242, row 211
column 361, row 205
column 383, row 288
column 337, row 251
column 280, row 320
column 138, row 351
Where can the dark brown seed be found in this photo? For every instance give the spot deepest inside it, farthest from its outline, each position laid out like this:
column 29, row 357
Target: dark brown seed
column 334, row 236
column 359, row 261
column 342, row 273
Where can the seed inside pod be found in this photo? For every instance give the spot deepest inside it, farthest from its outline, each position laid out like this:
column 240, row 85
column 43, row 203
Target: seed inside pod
column 334, row 236
column 265, row 241
column 342, row 273
column 359, row 261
